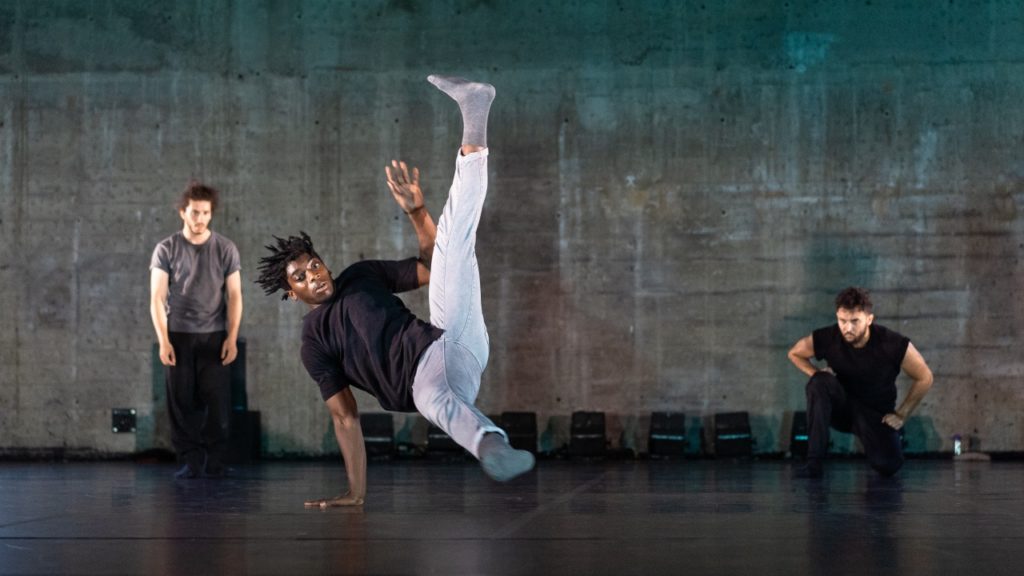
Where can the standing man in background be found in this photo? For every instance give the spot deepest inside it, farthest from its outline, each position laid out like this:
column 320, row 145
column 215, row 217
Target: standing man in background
column 196, row 306
column 856, row 391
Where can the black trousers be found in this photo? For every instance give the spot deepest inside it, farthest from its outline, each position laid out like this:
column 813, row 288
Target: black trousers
column 828, row 405
column 199, row 399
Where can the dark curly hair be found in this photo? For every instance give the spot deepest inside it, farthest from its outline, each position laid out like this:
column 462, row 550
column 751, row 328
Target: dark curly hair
column 196, row 190
column 854, row 298
column 273, row 268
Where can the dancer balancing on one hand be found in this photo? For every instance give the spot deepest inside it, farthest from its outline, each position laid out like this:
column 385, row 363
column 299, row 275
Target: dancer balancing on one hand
column 358, row 333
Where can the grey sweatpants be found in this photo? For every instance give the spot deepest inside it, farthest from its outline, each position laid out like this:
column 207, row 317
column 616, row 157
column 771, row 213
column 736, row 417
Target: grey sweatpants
column 448, row 374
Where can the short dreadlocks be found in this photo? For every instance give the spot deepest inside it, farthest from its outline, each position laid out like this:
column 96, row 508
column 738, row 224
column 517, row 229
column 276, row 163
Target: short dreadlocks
column 273, row 268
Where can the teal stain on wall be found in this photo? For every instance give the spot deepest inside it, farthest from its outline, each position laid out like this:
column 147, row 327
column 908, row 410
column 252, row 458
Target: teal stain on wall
column 805, row 50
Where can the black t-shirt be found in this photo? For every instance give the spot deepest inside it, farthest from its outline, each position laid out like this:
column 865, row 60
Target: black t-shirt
column 869, row 373
column 366, row 337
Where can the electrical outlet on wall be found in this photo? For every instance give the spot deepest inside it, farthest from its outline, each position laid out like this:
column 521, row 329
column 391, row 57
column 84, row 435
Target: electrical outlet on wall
column 122, row 420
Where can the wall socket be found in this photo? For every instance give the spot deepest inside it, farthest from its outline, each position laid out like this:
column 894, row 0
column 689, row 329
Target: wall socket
column 122, row 420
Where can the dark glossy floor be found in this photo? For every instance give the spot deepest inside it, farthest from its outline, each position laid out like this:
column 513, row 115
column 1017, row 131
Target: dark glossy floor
column 694, row 517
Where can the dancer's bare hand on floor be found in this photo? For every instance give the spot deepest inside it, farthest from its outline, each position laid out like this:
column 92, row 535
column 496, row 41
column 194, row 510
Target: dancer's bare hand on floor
column 404, row 188
column 346, row 500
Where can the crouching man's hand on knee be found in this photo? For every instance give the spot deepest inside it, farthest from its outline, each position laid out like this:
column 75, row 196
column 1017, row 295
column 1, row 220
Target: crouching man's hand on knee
column 893, row 420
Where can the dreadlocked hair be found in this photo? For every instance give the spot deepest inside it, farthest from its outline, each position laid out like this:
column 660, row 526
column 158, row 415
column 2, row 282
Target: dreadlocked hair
column 273, row 268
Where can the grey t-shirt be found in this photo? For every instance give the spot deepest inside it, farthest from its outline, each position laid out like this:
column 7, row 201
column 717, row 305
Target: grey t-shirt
column 195, row 292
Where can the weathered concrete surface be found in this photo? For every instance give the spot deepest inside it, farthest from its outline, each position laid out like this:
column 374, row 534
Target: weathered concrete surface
column 678, row 190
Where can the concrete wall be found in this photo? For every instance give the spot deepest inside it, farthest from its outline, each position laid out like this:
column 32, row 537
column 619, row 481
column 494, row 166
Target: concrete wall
column 678, row 191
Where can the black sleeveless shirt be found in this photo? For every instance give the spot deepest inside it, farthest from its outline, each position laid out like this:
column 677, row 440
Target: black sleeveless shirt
column 869, row 373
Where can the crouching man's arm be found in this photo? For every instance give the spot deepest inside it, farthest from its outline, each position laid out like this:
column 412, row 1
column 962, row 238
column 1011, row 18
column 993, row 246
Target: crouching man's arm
column 801, row 354
column 915, row 367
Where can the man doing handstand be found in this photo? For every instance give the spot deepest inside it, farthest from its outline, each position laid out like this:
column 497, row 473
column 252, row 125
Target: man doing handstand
column 358, row 333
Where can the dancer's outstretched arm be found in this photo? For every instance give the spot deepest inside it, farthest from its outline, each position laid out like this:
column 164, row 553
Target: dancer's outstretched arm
column 405, row 187
column 349, row 434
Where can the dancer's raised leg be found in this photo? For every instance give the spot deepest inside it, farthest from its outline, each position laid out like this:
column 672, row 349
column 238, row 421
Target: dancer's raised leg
column 448, row 379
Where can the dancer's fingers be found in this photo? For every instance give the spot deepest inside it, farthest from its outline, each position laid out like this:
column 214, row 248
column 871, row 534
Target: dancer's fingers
column 393, row 173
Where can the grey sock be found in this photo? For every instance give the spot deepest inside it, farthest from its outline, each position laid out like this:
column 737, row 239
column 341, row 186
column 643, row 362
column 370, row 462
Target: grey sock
column 474, row 99
column 492, row 443
column 501, row 461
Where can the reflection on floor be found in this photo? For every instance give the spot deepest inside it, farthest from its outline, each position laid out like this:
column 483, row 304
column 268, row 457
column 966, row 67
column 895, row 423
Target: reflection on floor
column 692, row 517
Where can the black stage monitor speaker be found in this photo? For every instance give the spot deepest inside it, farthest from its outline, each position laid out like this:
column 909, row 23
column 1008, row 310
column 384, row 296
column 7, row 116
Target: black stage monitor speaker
column 798, row 435
column 378, row 433
column 521, row 428
column 438, row 442
column 586, row 438
column 667, row 438
column 732, row 435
